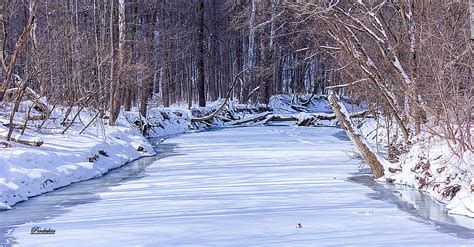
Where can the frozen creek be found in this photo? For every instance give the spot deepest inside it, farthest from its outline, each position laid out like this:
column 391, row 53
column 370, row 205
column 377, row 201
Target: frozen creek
column 238, row 187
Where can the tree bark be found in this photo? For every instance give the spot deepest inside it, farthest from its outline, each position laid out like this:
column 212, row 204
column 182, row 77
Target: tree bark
column 148, row 80
column 112, row 57
column 200, row 63
column 471, row 8
column 357, row 139
column 268, row 89
column 250, row 63
column 19, row 44
column 114, row 113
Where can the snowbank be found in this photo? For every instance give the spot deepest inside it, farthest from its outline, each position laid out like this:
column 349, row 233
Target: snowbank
column 429, row 165
column 63, row 159
column 84, row 153
column 27, row 171
column 164, row 121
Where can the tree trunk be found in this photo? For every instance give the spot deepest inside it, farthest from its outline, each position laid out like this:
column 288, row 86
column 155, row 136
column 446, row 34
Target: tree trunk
column 416, row 108
column 250, row 63
column 268, row 88
column 128, row 87
column 121, row 53
column 357, row 139
column 200, row 63
column 239, row 65
column 18, row 45
column 213, row 65
column 471, row 7
column 165, row 80
column 112, row 55
column 148, row 80
column 3, row 35
column 190, row 83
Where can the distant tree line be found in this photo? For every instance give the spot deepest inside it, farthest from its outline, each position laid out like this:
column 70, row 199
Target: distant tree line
column 411, row 60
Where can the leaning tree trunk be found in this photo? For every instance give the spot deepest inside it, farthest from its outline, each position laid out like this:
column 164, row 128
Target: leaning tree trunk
column 18, row 46
column 357, row 139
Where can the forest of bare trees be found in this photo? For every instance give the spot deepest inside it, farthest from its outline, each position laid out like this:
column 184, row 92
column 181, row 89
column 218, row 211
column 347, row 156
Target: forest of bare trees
column 410, row 60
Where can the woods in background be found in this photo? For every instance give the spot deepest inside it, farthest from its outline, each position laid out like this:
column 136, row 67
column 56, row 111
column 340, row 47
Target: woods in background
column 410, row 60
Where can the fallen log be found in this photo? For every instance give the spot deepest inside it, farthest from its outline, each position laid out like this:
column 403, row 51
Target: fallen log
column 24, row 90
column 266, row 117
column 299, row 108
column 361, row 114
column 279, row 118
column 308, row 121
column 34, row 97
column 305, row 103
column 23, row 139
column 229, row 93
column 256, row 118
column 326, row 116
column 5, row 144
column 251, row 108
column 369, row 155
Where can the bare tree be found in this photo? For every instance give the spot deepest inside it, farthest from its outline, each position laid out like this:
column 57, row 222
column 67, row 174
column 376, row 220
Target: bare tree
column 200, row 58
column 121, row 55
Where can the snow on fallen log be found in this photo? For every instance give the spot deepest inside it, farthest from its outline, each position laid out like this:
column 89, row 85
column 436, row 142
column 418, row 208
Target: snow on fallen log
column 256, row 118
column 305, row 119
column 40, row 103
column 222, row 106
column 4, row 206
column 302, row 119
column 370, row 156
column 23, row 139
column 279, row 118
column 266, row 117
column 5, row 144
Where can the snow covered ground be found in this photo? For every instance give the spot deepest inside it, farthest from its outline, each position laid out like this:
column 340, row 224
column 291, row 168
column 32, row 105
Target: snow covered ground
column 236, row 187
column 430, row 165
column 63, row 159
column 27, row 171
column 72, row 157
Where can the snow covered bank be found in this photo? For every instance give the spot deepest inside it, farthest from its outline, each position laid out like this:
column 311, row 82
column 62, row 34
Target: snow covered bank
column 25, row 171
column 255, row 186
column 430, row 165
column 88, row 149
column 163, row 121
column 63, row 159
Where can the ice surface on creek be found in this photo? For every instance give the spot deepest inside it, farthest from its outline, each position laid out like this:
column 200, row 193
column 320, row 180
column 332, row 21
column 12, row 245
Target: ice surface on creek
column 231, row 187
